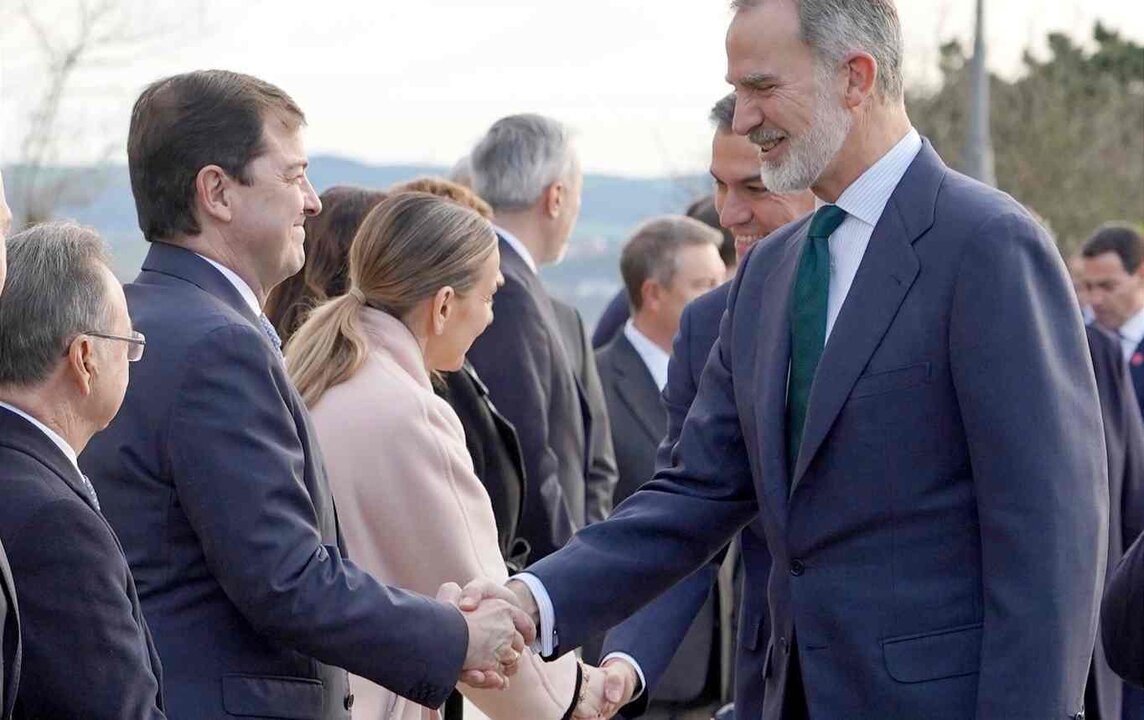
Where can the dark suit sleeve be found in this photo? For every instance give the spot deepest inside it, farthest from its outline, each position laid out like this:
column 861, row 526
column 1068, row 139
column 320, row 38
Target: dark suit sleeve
column 1024, row 383
column 670, row 527
column 603, row 475
column 1122, row 616
column 652, row 635
column 238, row 475
column 513, row 358
column 1132, row 490
column 84, row 654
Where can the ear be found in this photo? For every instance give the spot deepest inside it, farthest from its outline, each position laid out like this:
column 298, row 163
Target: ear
column 212, row 193
column 652, row 294
column 862, row 74
column 80, row 364
column 554, row 199
column 443, row 303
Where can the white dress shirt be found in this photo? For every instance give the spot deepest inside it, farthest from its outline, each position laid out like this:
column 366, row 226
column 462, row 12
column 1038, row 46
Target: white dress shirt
column 239, row 284
column 653, row 356
column 864, row 202
column 65, row 448
column 1131, row 334
column 515, row 243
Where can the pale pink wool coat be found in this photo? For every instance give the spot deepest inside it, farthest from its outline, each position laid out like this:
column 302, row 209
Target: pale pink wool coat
column 412, row 511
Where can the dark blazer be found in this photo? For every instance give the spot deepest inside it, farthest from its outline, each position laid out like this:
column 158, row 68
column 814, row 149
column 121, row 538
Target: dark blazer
column 600, row 483
column 1122, row 631
column 10, row 652
column 954, row 418
column 522, row 359
column 87, row 650
column 212, row 477
column 495, row 450
column 1136, row 373
column 1124, row 438
column 639, row 424
column 654, row 634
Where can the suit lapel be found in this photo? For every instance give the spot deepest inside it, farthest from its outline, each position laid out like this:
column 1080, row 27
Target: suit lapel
column 884, row 277
column 772, row 363
column 637, row 389
column 19, row 434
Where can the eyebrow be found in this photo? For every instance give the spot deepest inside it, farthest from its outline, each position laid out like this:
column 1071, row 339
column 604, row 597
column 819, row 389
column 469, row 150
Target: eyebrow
column 741, row 181
column 298, row 165
column 757, row 80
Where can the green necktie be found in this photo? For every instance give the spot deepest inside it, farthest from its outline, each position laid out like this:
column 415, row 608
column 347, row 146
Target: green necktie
column 808, row 321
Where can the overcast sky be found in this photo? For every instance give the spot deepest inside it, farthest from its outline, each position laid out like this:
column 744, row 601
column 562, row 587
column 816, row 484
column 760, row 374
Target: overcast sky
column 419, row 81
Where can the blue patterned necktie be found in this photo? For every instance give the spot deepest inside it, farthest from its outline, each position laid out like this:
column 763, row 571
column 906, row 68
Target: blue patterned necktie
column 808, row 306
column 271, row 333
column 90, row 490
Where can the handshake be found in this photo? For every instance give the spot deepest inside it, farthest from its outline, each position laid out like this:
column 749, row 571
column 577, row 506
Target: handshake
column 503, row 622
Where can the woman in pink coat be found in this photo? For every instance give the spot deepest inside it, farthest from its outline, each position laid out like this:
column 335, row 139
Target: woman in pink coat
column 422, row 273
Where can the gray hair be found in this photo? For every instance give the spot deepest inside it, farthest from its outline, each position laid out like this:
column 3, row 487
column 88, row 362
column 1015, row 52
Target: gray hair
column 835, row 28
column 518, row 158
column 653, row 250
column 55, row 291
column 723, row 114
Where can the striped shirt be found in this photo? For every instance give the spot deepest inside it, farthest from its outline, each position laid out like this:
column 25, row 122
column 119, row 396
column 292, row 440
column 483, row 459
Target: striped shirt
column 864, row 202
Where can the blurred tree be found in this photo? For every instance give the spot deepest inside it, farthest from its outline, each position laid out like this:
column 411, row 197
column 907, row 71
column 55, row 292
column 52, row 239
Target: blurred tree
column 1068, row 134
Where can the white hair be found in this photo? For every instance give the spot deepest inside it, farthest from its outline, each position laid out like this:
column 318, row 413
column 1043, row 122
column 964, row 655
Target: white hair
column 518, row 158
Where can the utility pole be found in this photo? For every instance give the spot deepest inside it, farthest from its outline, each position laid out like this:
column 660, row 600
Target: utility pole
column 978, row 143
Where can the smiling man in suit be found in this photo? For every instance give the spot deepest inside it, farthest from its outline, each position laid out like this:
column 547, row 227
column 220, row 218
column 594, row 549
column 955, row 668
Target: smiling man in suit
column 212, row 474
column 913, row 417
column 65, row 342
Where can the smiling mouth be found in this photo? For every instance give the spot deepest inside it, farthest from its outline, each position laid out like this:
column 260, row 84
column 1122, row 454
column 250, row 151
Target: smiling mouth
column 770, row 144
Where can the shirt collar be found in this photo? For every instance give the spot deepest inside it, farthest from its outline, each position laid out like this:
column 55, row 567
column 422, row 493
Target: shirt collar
column 517, row 246
column 1133, row 330
column 239, row 284
column 65, row 448
column 866, row 198
column 653, row 355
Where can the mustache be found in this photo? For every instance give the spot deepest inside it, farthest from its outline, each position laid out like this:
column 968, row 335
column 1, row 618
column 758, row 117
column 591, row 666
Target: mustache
column 760, row 136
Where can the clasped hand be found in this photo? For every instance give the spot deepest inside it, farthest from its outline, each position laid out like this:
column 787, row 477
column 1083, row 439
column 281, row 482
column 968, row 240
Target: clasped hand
column 502, row 623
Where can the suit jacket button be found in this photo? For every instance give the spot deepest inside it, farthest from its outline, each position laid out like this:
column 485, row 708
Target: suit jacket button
column 783, row 645
column 349, row 701
column 797, row 568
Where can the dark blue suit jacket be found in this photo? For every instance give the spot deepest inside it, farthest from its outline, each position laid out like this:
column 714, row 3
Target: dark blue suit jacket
column 1136, row 372
column 1124, row 438
column 523, row 360
column 87, row 650
column 10, row 652
column 942, row 538
column 652, row 636
column 213, row 479
column 612, row 320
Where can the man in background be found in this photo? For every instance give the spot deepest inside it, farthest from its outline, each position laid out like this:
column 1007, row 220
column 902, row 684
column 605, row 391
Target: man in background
column 526, row 168
column 653, row 636
column 1114, row 278
column 65, row 343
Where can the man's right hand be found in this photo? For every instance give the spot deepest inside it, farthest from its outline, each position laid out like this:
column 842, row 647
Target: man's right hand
column 499, row 631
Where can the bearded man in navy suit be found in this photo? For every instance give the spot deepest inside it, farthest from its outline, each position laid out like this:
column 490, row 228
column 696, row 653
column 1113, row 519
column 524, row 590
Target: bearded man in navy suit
column 913, row 421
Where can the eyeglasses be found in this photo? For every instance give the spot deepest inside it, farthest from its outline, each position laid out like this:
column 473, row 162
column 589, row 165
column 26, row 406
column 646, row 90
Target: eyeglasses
column 135, row 343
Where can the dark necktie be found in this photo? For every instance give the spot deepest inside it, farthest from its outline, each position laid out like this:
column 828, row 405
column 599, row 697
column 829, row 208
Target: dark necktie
column 808, row 321
column 271, row 333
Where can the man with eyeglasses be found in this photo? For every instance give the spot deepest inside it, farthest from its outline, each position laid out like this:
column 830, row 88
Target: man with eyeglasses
column 65, row 344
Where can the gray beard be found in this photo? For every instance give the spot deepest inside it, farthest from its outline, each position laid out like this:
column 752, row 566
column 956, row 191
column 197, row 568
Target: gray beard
column 809, row 155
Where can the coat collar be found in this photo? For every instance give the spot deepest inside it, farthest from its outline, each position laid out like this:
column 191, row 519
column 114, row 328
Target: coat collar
column 22, row 436
column 173, row 261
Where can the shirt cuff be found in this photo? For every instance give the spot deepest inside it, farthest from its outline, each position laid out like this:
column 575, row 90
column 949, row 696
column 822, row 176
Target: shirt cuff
column 546, row 640
column 631, row 661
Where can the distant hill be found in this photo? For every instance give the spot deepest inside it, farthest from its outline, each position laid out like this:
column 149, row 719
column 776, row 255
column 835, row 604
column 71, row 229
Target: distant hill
column 588, row 277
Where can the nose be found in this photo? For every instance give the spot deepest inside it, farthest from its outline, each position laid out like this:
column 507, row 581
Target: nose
column 735, row 212
column 313, row 204
column 747, row 117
